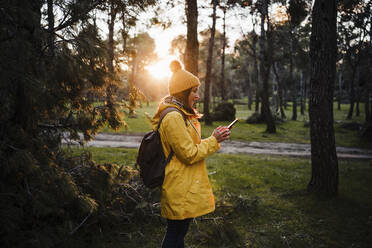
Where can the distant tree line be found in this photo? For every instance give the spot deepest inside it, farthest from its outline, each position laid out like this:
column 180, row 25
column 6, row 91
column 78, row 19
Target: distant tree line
column 279, row 43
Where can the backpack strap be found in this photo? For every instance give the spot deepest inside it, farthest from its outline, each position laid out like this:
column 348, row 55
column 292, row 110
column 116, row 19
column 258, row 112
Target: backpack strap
column 162, row 115
column 166, row 111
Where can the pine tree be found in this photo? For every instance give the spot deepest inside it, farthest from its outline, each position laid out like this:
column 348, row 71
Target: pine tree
column 53, row 86
column 324, row 178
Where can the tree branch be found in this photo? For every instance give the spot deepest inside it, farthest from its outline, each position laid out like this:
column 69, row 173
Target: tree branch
column 82, row 223
column 78, row 17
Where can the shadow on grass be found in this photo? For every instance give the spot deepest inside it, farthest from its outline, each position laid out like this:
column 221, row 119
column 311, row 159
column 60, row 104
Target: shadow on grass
column 297, row 220
column 267, row 205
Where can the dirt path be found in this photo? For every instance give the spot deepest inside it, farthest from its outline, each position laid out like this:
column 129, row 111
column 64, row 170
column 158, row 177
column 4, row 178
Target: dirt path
column 234, row 147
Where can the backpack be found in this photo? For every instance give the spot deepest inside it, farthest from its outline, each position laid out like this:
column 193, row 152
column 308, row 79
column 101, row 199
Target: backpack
column 151, row 159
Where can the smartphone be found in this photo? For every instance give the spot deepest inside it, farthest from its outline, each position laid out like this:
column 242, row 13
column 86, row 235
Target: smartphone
column 232, row 124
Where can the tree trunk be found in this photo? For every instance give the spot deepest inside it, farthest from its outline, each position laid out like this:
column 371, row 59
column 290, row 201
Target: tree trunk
column 357, row 110
column 223, row 89
column 124, row 32
column 368, row 103
column 285, row 97
column 305, row 91
column 339, row 95
column 256, row 73
column 265, row 70
column 293, row 82
column 323, row 51
column 132, row 87
column 280, row 90
column 207, row 116
column 111, row 24
column 51, row 36
column 248, row 81
column 302, row 93
column 274, row 97
column 352, row 90
column 192, row 44
column 351, row 97
column 110, row 62
column 366, row 106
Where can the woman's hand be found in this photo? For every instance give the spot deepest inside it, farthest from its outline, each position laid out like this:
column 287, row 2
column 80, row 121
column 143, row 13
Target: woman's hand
column 221, row 133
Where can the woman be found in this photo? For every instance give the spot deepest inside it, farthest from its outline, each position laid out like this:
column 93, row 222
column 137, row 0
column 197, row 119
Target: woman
column 186, row 191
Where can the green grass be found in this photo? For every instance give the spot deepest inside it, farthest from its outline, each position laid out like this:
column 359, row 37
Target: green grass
column 288, row 131
column 262, row 202
column 140, row 124
column 283, row 213
column 109, row 155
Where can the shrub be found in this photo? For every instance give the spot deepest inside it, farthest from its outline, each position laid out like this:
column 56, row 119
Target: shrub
column 224, row 112
column 254, row 118
column 366, row 131
column 47, row 204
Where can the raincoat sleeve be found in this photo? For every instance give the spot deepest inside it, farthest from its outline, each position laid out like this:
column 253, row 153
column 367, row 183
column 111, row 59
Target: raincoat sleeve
column 181, row 142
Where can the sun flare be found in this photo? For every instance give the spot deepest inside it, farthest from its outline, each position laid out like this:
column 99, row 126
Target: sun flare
column 160, row 69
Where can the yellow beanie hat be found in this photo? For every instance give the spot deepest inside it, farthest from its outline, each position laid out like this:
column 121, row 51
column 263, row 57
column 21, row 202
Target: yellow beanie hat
column 181, row 80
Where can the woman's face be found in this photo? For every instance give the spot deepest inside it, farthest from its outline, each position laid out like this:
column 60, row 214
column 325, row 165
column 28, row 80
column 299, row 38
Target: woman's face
column 193, row 96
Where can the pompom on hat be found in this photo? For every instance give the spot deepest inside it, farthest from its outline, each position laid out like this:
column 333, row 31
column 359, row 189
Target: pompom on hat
column 181, row 79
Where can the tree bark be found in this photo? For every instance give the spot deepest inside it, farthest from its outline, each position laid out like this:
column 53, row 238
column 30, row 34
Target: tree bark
column 366, row 106
column 256, row 75
column 192, row 44
column 354, row 66
column 293, row 82
column 323, row 50
column 132, row 87
column 357, row 99
column 302, row 90
column 265, row 70
column 339, row 95
column 280, row 90
column 223, row 89
column 305, row 92
column 111, row 25
column 111, row 54
column 249, row 88
column 207, row 116
column 51, row 36
column 352, row 100
column 274, row 97
column 368, row 103
column 285, row 97
column 124, row 32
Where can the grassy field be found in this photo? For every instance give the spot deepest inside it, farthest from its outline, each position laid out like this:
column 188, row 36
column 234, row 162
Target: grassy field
column 287, row 131
column 262, row 202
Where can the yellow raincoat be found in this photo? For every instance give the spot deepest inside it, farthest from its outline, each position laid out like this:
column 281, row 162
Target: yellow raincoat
column 186, row 191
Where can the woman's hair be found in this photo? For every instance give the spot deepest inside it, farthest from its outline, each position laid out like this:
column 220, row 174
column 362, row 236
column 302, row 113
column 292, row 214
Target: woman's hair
column 183, row 97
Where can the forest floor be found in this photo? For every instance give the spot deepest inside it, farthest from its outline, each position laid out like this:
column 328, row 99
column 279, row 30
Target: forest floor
column 233, row 146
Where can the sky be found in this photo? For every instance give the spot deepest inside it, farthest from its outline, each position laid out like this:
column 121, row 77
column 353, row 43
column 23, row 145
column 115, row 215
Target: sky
column 238, row 22
column 235, row 27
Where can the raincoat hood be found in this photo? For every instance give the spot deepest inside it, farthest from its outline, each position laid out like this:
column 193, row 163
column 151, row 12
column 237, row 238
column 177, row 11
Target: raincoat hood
column 166, row 102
